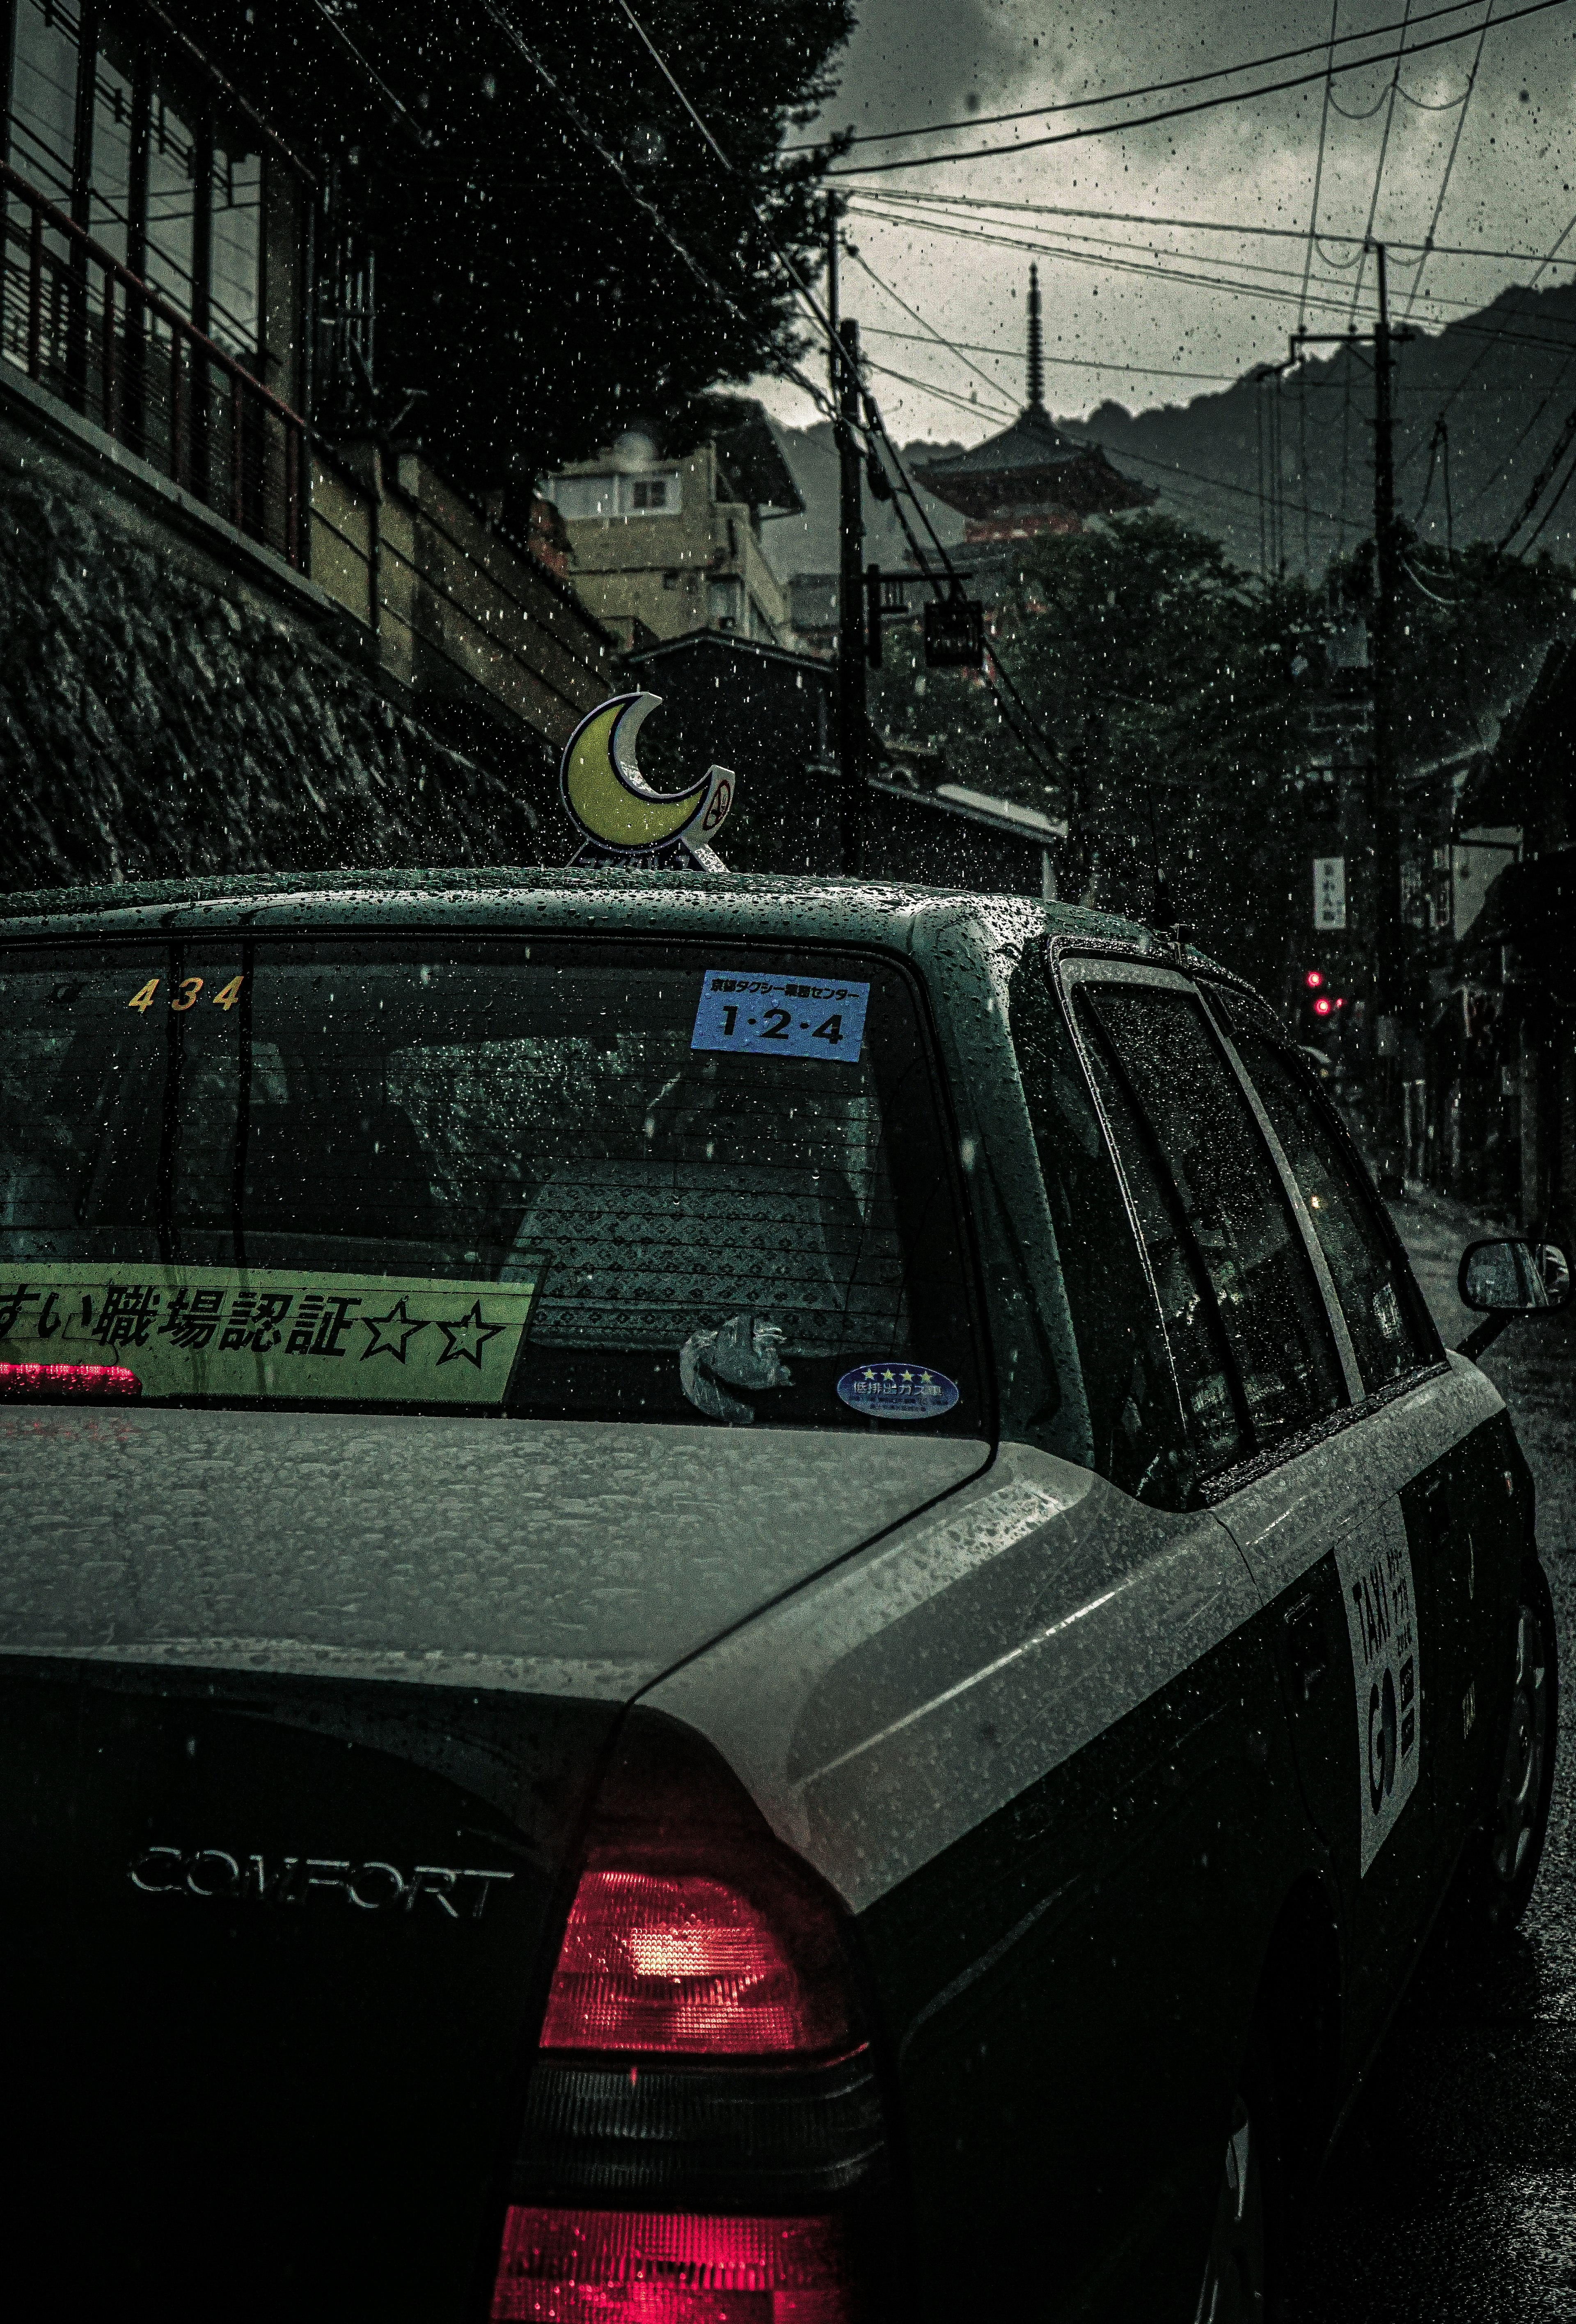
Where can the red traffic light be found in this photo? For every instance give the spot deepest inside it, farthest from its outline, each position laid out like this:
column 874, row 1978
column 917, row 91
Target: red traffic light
column 1324, row 1005
column 1313, row 979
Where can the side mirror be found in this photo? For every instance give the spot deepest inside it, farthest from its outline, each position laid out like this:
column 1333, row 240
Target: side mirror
column 1511, row 1278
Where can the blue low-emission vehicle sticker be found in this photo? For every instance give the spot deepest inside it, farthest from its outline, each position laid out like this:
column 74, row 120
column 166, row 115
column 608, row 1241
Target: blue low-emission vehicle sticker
column 898, row 1391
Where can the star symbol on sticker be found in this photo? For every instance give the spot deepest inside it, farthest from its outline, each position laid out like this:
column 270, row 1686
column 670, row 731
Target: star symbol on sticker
column 469, row 1337
column 390, row 1334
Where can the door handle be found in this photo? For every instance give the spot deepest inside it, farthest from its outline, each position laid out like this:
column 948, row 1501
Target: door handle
column 1307, row 1646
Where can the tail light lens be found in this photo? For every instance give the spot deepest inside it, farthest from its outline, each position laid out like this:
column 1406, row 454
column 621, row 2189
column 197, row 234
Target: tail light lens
column 672, row 2267
column 703, row 2141
column 688, row 1964
column 68, row 1379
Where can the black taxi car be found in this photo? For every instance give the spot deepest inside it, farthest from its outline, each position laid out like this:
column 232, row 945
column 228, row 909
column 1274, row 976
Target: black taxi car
column 721, row 1598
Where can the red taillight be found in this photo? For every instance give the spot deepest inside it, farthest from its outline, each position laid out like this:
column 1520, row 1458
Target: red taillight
column 685, row 1962
column 68, row 1380
column 671, row 2268
column 1322, row 1007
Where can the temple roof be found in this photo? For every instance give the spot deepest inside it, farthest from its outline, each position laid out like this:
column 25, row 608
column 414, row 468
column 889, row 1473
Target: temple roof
column 1031, row 469
column 1032, row 442
column 1030, row 477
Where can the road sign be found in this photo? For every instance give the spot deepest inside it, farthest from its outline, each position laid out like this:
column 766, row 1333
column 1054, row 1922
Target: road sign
column 1329, row 891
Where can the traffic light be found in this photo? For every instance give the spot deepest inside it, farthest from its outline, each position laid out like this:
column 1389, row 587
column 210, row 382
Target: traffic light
column 1325, row 1003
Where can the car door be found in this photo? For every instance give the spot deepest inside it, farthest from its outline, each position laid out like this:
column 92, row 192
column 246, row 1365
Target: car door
column 1456, row 1475
column 1275, row 1392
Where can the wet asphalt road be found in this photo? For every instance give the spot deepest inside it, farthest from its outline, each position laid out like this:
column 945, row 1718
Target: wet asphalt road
column 1452, row 2194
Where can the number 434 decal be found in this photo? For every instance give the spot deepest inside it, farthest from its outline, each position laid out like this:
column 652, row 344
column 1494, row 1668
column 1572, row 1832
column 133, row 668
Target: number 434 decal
column 185, row 994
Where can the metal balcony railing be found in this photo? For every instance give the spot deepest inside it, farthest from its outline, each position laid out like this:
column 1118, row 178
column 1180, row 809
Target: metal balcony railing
column 91, row 332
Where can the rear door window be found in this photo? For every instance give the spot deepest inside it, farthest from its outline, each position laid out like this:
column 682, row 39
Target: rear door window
column 1231, row 1211
column 1389, row 1336
column 536, row 1178
column 1130, row 1383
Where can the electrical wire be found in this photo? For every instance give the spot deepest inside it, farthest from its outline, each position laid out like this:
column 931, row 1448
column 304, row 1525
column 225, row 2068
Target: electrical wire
column 1540, row 483
column 1379, row 171
column 1493, row 337
column 1441, row 433
column 1186, row 271
column 1526, row 550
column 1219, row 483
column 1077, row 362
column 1450, row 165
column 909, row 195
column 1318, row 167
column 1181, row 112
column 867, row 206
column 1121, row 96
column 1418, row 583
column 1002, row 410
column 863, row 263
column 874, row 423
column 1560, row 376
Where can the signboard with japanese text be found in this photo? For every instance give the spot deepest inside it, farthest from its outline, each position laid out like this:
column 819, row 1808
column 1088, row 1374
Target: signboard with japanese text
column 785, row 1017
column 260, row 1332
column 1329, row 891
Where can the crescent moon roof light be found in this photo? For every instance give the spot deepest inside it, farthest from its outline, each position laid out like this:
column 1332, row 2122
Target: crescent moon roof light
column 615, row 808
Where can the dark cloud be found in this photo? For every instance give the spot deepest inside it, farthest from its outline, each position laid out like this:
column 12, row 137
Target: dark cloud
column 1171, row 298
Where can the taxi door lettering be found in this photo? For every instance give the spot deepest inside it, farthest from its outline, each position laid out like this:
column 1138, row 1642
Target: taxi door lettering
column 1376, row 1577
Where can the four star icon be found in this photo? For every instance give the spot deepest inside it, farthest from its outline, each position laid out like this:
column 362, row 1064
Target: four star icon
column 469, row 1337
column 394, row 1340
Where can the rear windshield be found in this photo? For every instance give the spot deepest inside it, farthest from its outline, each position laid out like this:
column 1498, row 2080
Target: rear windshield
column 591, row 1180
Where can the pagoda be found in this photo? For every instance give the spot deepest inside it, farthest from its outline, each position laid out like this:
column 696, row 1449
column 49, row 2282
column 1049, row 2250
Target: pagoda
column 1031, row 479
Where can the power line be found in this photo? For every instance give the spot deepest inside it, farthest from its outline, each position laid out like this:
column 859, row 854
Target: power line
column 1002, row 411
column 1182, row 112
column 1318, row 168
column 1498, row 332
column 994, row 386
column 1540, row 483
column 1219, row 484
column 907, row 194
column 1078, row 363
column 1526, row 548
column 1379, row 171
column 1122, row 95
column 874, row 423
column 1152, row 267
column 1148, row 256
column 1449, row 167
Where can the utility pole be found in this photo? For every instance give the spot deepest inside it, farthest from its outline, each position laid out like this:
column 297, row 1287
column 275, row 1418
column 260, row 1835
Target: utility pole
column 1386, row 806
column 1388, row 936
column 851, row 579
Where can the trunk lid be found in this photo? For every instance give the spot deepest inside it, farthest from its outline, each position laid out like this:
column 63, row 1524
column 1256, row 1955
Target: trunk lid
column 299, row 1717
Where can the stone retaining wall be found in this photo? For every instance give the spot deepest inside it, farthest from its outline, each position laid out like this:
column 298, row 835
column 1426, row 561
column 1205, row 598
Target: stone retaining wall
column 161, row 716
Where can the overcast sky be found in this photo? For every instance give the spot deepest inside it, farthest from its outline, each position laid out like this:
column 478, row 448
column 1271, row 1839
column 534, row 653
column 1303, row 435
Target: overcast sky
column 1512, row 187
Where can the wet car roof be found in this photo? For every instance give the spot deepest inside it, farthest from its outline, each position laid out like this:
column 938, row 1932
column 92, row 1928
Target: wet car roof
column 893, row 915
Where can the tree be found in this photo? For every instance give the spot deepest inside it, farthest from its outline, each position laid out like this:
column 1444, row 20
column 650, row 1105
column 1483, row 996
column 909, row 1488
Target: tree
column 1472, row 628
column 524, row 293
column 1171, row 693
column 1159, row 677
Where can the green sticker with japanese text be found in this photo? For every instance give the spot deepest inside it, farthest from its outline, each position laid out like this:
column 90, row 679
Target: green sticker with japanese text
column 234, row 1333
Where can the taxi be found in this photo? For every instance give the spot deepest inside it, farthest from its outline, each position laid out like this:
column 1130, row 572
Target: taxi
column 722, row 1596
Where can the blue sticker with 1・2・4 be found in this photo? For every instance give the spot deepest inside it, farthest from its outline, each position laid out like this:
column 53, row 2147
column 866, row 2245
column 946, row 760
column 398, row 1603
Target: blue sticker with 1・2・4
column 784, row 1017
column 898, row 1391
